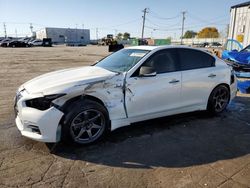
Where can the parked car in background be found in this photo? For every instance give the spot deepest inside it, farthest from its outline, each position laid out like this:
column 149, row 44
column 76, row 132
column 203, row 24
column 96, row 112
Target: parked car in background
column 17, row 43
column 36, row 42
column 47, row 42
column 133, row 84
column 1, row 38
column 142, row 42
column 201, row 45
column 239, row 58
column 25, row 39
column 214, row 45
column 5, row 42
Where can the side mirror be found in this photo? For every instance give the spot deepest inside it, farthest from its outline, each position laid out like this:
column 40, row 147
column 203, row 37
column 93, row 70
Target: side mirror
column 147, row 71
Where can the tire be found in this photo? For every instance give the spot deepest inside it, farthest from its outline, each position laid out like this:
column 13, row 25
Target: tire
column 85, row 122
column 218, row 99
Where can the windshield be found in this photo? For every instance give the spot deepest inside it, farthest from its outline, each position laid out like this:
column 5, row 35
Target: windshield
column 247, row 49
column 123, row 60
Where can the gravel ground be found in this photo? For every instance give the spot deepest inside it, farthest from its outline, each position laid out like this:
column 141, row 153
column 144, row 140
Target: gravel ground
column 187, row 150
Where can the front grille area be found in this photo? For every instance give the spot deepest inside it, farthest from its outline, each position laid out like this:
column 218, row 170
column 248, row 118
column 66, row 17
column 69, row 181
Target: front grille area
column 34, row 129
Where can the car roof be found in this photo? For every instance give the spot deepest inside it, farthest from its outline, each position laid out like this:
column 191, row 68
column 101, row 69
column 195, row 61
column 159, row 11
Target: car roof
column 150, row 48
column 156, row 48
column 143, row 47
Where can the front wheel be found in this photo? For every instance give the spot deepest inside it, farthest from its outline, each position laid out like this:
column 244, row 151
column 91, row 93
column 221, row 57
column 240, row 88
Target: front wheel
column 85, row 122
column 218, row 99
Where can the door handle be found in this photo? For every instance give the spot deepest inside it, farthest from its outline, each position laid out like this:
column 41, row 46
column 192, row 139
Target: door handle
column 212, row 75
column 174, row 81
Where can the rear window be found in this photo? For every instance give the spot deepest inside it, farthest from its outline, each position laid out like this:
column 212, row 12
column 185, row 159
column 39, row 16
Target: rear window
column 195, row 59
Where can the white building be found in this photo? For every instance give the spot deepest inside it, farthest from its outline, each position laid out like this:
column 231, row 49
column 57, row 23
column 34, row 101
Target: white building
column 239, row 28
column 65, row 35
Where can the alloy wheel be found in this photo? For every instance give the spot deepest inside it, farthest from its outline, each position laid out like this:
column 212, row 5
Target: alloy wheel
column 220, row 99
column 87, row 126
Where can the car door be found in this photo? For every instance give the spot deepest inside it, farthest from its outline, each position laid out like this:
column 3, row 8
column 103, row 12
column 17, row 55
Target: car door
column 199, row 77
column 150, row 96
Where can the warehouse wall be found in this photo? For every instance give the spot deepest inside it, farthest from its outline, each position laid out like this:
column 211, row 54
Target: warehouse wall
column 41, row 34
column 65, row 35
column 239, row 28
column 198, row 41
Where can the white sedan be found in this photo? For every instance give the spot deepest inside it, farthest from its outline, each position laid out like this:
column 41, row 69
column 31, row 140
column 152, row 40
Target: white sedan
column 36, row 42
column 131, row 85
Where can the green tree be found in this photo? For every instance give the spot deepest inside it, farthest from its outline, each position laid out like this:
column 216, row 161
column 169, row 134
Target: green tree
column 119, row 36
column 126, row 36
column 189, row 34
column 208, row 32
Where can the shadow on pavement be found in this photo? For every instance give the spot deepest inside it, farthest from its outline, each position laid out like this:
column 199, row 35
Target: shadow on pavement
column 177, row 141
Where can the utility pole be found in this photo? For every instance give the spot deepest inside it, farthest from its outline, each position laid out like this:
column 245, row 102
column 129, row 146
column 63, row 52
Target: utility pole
column 96, row 33
column 31, row 28
column 227, row 31
column 16, row 33
column 76, row 34
column 143, row 23
column 82, row 26
column 182, row 27
column 5, row 32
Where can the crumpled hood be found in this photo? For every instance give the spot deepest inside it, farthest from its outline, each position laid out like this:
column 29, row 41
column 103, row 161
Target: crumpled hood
column 66, row 78
column 243, row 57
column 240, row 57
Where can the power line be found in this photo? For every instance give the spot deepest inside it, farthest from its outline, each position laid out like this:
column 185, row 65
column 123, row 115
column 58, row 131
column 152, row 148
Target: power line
column 160, row 26
column 126, row 23
column 162, row 18
column 212, row 21
column 173, row 29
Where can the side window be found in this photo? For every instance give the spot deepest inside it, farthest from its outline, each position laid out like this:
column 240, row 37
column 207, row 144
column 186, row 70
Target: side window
column 194, row 59
column 163, row 61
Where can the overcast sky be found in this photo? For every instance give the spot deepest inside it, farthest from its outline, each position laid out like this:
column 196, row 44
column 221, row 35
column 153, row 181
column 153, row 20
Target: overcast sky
column 113, row 16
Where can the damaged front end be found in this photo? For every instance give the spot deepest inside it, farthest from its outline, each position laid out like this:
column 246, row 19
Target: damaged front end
column 242, row 72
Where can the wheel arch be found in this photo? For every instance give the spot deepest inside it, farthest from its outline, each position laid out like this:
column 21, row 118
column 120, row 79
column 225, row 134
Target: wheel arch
column 67, row 104
column 221, row 84
column 81, row 97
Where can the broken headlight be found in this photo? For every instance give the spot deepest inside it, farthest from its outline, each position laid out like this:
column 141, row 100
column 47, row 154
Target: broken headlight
column 43, row 103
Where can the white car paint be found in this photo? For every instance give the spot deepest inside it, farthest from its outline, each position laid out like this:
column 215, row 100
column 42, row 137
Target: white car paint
column 36, row 43
column 145, row 97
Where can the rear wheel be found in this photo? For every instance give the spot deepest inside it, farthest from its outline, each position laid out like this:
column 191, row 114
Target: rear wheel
column 85, row 122
column 218, row 100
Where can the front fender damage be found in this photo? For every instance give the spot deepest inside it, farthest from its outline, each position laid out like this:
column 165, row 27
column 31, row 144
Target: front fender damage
column 110, row 91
